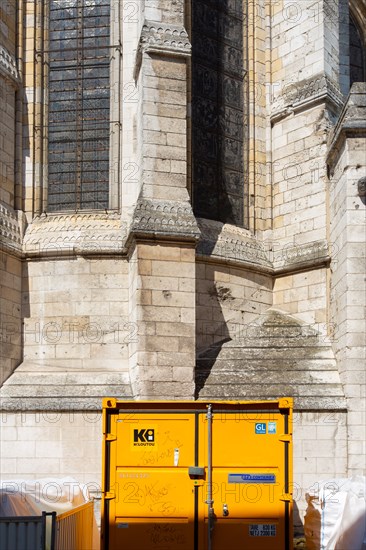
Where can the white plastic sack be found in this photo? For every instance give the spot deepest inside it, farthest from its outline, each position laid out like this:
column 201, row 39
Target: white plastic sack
column 335, row 517
column 49, row 494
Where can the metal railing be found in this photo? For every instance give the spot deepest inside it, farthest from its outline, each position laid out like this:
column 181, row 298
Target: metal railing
column 27, row 532
column 71, row 530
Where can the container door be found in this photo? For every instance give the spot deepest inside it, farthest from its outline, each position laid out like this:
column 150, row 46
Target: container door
column 250, row 478
column 152, row 494
column 192, row 480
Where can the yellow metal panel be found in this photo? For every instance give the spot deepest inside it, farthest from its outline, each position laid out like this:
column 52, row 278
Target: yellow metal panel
column 156, row 476
column 154, row 440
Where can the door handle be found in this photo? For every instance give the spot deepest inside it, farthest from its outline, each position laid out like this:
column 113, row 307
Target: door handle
column 196, row 471
column 225, row 510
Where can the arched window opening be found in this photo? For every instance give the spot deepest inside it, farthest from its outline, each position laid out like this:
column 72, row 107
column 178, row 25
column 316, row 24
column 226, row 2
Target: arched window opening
column 356, row 53
column 78, row 104
column 219, row 118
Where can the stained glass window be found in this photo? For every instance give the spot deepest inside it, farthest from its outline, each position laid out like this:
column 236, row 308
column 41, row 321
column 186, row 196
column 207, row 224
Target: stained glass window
column 356, row 53
column 78, row 104
column 219, row 125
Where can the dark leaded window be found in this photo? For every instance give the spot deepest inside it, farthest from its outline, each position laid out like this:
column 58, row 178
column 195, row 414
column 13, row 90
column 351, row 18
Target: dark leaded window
column 219, row 110
column 79, row 104
column 356, row 54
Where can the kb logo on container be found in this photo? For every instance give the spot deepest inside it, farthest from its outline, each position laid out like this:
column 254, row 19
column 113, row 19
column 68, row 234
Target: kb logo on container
column 144, row 438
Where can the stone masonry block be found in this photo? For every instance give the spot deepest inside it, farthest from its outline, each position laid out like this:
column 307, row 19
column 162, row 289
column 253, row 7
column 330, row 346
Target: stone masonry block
column 172, row 269
column 161, row 283
column 172, row 299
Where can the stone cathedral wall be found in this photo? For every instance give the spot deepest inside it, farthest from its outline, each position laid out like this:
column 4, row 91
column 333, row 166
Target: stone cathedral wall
column 10, row 238
column 127, row 301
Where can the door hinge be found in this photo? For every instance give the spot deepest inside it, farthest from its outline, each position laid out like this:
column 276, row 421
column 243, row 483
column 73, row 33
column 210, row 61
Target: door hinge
column 286, row 497
column 286, row 438
column 109, row 495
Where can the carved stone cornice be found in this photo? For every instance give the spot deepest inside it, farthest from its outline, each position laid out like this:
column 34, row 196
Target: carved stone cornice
column 8, row 67
column 81, row 233
column 231, row 243
column 163, row 219
column 10, row 230
column 228, row 243
column 163, row 39
column 351, row 122
column 297, row 96
column 294, row 257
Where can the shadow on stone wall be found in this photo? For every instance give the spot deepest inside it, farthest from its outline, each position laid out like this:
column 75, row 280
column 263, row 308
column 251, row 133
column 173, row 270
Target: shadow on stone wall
column 215, row 331
column 207, row 361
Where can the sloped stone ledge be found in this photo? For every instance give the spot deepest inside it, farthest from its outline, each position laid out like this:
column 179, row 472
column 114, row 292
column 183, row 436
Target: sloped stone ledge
column 294, row 257
column 81, row 233
column 277, row 355
column 351, row 122
column 305, row 94
column 56, row 235
column 8, row 67
column 10, row 230
column 49, row 388
column 163, row 219
column 228, row 243
column 163, row 39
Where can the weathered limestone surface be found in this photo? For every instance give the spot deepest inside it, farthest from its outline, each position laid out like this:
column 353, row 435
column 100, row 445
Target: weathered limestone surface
column 228, row 298
column 347, row 201
column 163, row 296
column 58, row 389
column 162, row 231
column 273, row 356
column 73, row 303
column 306, row 98
column 73, row 309
column 10, row 314
column 10, row 220
column 303, row 295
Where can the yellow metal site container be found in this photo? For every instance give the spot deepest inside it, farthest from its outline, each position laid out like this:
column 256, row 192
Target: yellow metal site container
column 197, row 476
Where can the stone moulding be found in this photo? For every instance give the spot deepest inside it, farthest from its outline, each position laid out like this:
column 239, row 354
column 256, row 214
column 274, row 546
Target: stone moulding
column 10, row 231
column 304, row 94
column 292, row 256
column 84, row 234
column 228, row 242
column 46, row 387
column 105, row 234
column 167, row 219
column 8, row 67
column 163, row 39
column 351, row 122
column 358, row 10
column 233, row 244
